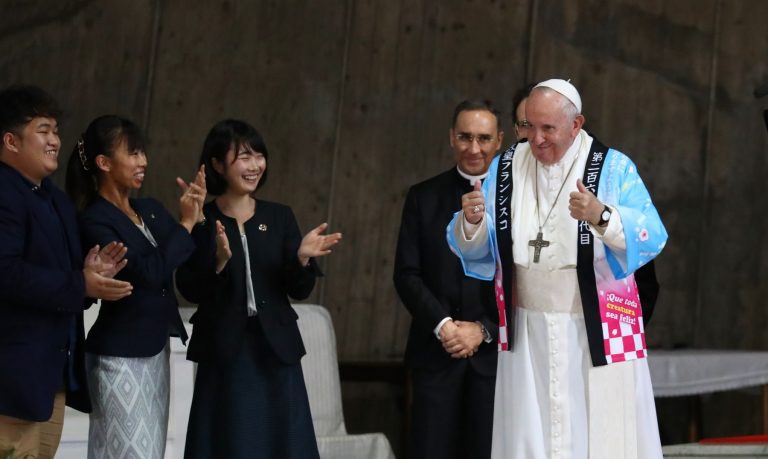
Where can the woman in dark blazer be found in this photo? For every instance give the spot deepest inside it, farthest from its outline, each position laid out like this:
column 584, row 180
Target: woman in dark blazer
column 128, row 345
column 249, row 399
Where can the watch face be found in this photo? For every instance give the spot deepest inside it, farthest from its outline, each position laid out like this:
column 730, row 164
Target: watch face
column 606, row 215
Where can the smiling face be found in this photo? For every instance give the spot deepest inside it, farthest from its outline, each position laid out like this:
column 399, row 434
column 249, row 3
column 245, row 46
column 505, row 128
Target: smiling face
column 475, row 138
column 34, row 149
column 553, row 124
column 124, row 168
column 242, row 169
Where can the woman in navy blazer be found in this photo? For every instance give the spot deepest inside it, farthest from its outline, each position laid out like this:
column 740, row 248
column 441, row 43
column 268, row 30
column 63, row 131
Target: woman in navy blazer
column 128, row 345
column 250, row 399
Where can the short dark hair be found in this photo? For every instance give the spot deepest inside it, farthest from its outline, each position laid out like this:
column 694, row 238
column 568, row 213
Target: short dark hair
column 223, row 136
column 101, row 137
column 19, row 104
column 519, row 96
column 469, row 105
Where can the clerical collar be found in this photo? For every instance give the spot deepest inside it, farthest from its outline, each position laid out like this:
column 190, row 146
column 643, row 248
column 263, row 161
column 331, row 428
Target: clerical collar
column 472, row 178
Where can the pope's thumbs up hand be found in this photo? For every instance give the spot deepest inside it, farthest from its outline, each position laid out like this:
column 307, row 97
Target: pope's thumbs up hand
column 584, row 205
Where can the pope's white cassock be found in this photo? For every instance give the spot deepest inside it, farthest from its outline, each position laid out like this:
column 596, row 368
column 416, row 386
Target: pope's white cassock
column 551, row 400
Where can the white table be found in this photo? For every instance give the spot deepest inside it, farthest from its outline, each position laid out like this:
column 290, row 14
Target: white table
column 694, row 372
column 696, row 450
column 700, row 371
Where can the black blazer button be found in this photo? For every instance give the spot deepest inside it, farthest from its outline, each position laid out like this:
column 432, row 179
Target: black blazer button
column 164, row 292
column 261, row 304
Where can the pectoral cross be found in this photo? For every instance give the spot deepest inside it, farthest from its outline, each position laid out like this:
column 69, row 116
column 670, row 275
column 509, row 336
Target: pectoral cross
column 538, row 243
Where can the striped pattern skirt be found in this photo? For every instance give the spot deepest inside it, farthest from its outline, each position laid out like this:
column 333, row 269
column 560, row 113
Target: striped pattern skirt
column 130, row 399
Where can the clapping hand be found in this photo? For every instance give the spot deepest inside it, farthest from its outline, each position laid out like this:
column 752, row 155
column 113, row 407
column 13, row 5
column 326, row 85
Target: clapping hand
column 99, row 268
column 315, row 244
column 223, row 252
column 192, row 199
column 110, row 260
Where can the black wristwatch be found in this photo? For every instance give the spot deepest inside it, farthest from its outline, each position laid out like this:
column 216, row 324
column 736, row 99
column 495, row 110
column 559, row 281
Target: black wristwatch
column 605, row 215
column 486, row 334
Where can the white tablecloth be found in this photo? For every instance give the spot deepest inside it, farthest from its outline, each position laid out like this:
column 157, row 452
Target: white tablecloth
column 691, row 372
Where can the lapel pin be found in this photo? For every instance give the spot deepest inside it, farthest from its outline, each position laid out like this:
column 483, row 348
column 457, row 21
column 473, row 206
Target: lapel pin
column 262, row 227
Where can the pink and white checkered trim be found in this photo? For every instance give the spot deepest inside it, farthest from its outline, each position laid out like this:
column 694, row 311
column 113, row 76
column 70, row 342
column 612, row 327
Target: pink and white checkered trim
column 622, row 343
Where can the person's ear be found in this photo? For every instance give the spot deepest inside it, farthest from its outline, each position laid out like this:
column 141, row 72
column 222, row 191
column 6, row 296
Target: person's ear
column 217, row 166
column 10, row 142
column 103, row 163
column 578, row 122
column 451, row 137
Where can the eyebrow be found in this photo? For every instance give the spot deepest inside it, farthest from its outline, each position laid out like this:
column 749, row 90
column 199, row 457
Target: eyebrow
column 470, row 133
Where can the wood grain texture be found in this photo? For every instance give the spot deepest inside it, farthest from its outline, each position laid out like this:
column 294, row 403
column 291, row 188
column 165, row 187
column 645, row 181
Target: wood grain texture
column 92, row 56
column 410, row 62
column 735, row 247
column 354, row 99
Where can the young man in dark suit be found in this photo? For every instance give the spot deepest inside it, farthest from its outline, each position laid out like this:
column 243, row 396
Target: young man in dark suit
column 44, row 281
column 451, row 346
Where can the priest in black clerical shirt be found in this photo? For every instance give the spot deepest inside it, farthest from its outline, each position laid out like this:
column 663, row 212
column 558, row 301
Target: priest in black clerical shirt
column 452, row 348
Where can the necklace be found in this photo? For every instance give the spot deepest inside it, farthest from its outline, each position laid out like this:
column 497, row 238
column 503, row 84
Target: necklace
column 539, row 243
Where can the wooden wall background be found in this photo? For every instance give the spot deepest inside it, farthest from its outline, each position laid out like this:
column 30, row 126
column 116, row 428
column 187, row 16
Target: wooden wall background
column 354, row 98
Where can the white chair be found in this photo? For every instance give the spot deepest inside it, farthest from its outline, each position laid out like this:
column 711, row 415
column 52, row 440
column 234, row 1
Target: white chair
column 321, row 373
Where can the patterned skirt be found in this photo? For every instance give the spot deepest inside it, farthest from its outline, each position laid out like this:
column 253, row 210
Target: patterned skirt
column 130, row 399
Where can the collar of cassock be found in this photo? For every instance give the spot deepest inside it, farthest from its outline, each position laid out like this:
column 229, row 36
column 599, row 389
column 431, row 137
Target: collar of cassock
column 472, row 178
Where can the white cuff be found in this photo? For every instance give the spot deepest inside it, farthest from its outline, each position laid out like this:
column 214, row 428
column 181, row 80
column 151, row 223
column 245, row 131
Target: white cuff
column 613, row 234
column 470, row 230
column 436, row 331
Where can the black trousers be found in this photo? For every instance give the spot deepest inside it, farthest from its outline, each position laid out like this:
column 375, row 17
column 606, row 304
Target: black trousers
column 452, row 415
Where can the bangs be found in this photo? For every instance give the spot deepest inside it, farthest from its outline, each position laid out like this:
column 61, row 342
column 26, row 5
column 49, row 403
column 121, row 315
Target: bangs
column 133, row 138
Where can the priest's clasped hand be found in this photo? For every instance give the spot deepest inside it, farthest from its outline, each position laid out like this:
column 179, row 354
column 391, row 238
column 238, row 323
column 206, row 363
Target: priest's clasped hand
column 461, row 339
column 584, row 205
column 473, row 204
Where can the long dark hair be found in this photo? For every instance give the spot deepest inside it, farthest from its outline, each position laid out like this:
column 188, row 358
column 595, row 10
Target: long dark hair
column 223, row 136
column 102, row 137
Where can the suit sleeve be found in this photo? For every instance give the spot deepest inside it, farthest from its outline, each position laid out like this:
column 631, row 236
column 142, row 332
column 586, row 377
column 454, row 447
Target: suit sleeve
column 26, row 284
column 149, row 269
column 417, row 297
column 196, row 278
column 299, row 280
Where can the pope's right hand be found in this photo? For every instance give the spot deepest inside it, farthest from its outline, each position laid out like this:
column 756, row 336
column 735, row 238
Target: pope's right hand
column 473, row 204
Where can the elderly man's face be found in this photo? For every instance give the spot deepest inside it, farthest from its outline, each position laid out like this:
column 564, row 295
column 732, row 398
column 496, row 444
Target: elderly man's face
column 475, row 139
column 551, row 131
